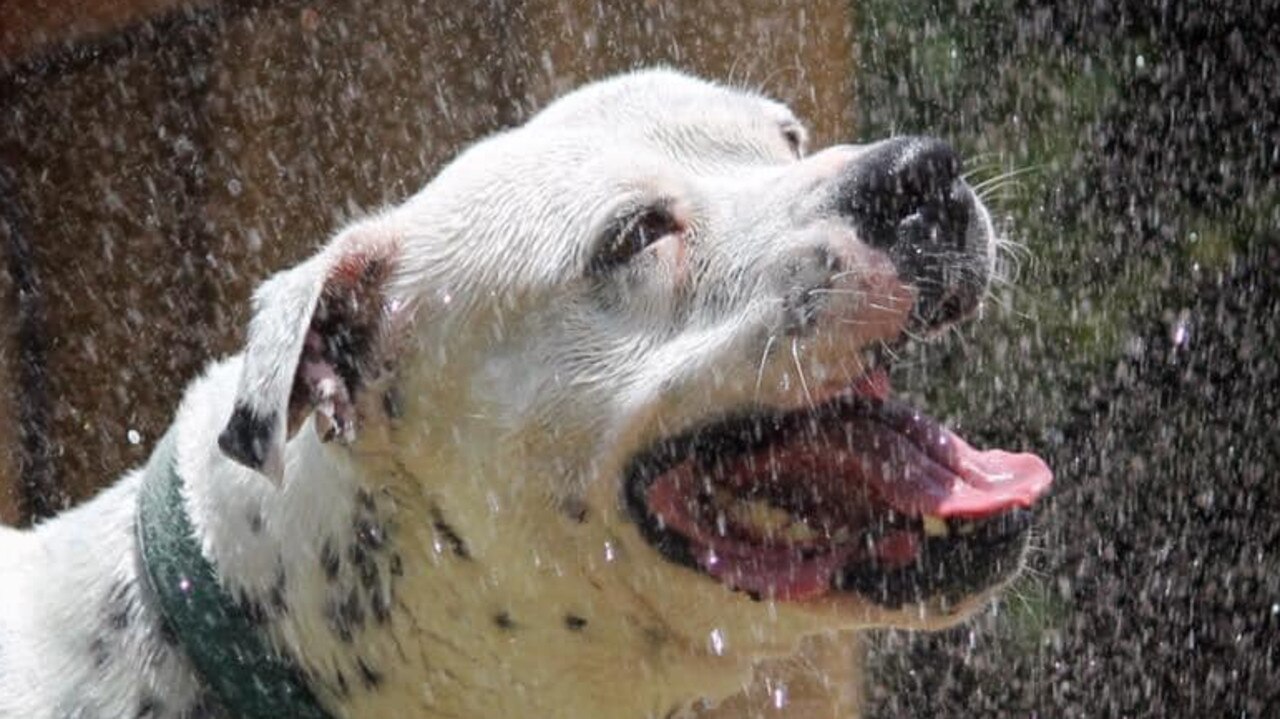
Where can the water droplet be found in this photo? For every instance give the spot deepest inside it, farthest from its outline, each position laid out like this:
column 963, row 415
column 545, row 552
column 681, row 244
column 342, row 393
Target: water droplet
column 779, row 696
column 716, row 640
column 1181, row 333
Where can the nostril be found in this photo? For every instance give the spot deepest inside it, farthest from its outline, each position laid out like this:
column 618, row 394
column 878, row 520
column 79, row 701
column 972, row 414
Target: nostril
column 907, row 197
column 938, row 220
column 908, row 191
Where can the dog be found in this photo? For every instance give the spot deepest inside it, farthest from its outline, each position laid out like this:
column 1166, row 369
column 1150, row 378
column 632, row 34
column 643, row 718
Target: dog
column 595, row 424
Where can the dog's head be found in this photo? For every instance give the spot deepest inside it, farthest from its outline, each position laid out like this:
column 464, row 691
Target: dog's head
column 634, row 354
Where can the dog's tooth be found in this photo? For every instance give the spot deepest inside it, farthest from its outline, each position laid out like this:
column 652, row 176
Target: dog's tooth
column 761, row 516
column 964, row 528
column 935, row 526
column 800, row 531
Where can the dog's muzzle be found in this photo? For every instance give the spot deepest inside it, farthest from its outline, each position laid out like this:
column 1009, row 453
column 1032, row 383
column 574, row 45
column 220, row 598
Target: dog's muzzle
column 860, row 493
column 906, row 196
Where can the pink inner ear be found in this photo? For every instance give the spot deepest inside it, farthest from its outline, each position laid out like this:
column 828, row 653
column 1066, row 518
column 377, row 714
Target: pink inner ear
column 343, row 344
column 319, row 388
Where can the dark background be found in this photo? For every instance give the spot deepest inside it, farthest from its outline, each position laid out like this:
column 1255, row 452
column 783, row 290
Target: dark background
column 158, row 159
column 1138, row 347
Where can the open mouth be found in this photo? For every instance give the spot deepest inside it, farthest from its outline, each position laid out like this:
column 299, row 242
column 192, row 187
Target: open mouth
column 861, row 494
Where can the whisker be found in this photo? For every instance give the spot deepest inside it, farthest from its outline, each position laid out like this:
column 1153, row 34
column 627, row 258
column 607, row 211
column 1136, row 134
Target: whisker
column 842, row 275
column 764, row 358
column 917, row 338
column 1008, row 175
column 893, row 356
column 795, row 356
column 980, row 168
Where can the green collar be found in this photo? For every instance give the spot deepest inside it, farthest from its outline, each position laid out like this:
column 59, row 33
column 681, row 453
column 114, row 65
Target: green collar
column 229, row 653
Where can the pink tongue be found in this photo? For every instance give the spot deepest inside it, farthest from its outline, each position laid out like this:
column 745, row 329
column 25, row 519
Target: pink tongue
column 920, row 467
column 951, row 478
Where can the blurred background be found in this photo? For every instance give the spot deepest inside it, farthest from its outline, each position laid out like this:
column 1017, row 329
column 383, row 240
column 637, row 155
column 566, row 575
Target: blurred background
column 158, row 158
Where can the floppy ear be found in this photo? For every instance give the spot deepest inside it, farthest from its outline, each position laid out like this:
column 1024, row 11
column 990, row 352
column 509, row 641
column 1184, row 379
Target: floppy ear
column 320, row 333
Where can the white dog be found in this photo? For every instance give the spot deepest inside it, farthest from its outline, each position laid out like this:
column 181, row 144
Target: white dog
column 589, row 427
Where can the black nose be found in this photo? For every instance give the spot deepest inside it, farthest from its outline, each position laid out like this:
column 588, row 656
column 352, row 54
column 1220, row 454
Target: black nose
column 906, row 196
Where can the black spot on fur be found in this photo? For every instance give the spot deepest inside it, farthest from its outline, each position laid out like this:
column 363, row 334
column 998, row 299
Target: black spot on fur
column 370, row 676
column 330, row 562
column 392, row 404
column 255, row 521
column 370, row 534
column 365, row 500
column 167, row 633
column 380, row 605
column 148, row 707
column 574, row 622
column 504, row 621
column 277, row 594
column 338, row 624
column 450, row 535
column 99, row 652
column 343, row 688
column 397, row 566
column 575, row 508
column 365, row 565
column 655, row 637
column 247, row 437
column 120, row 606
column 352, row 610
column 119, row 621
column 252, row 610
column 369, row 575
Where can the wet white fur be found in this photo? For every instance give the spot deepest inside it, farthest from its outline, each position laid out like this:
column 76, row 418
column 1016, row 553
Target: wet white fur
column 522, row 393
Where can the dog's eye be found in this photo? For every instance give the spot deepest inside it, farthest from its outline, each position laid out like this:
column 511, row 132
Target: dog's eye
column 632, row 235
column 795, row 137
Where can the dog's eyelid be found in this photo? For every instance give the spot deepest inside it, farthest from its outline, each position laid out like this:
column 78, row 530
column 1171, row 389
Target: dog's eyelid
column 796, row 136
column 631, row 232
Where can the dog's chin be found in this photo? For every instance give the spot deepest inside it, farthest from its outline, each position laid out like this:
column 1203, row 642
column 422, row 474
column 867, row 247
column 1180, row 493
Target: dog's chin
column 861, row 498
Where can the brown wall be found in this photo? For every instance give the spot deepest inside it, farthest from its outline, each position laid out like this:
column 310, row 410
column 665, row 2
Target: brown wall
column 29, row 27
column 800, row 52
column 161, row 172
